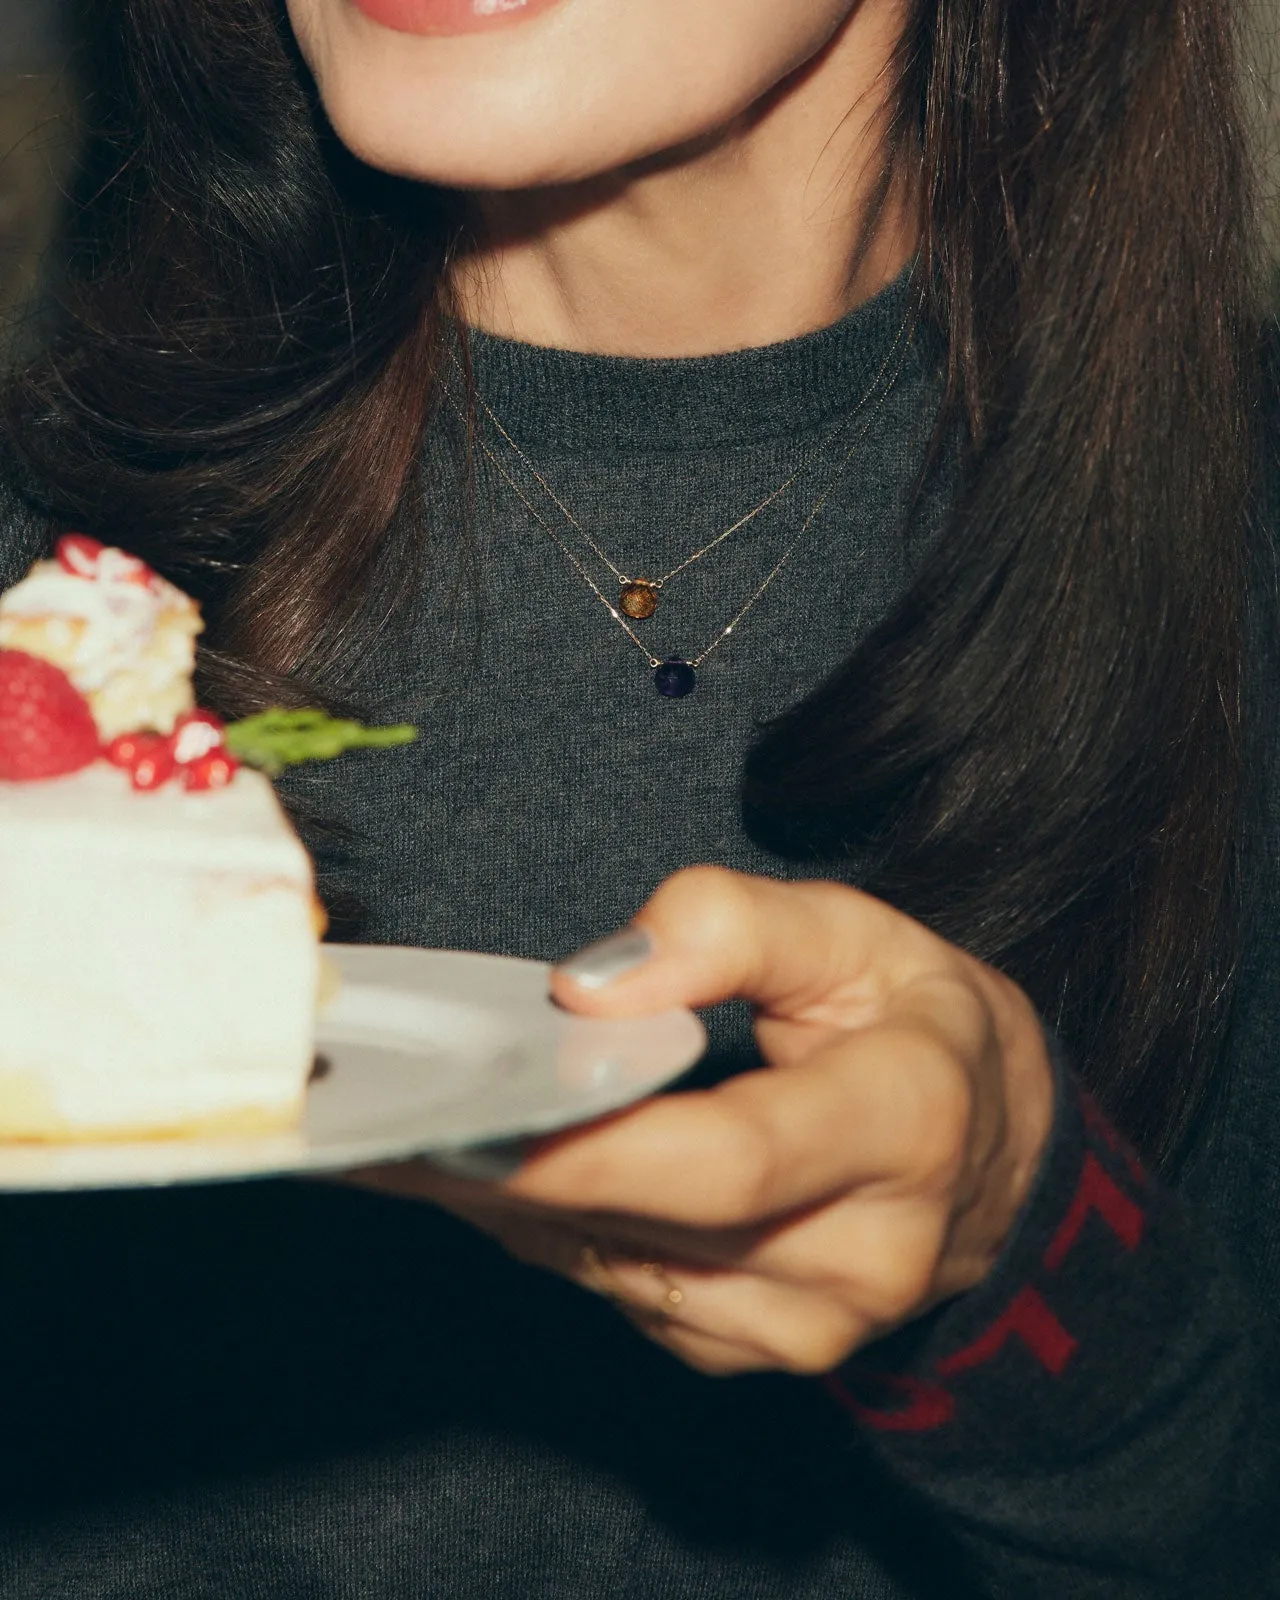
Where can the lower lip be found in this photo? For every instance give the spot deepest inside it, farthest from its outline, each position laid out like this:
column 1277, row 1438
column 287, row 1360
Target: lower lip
column 450, row 16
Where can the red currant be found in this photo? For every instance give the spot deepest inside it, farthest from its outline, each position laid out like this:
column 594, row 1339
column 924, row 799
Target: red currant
column 213, row 771
column 84, row 557
column 125, row 749
column 196, row 734
column 78, row 554
column 153, row 764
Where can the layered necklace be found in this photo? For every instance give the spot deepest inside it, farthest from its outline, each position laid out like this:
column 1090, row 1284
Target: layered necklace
column 637, row 597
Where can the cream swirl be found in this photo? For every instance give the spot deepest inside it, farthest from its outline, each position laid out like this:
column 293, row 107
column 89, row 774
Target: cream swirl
column 122, row 634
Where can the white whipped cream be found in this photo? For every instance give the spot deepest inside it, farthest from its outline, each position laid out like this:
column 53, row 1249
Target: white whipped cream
column 122, row 634
column 120, row 619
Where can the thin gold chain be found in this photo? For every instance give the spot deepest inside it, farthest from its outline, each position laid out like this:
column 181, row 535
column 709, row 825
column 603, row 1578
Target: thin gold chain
column 623, row 578
column 815, row 512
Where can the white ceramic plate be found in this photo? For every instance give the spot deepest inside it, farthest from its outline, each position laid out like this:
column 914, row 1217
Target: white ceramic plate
column 427, row 1051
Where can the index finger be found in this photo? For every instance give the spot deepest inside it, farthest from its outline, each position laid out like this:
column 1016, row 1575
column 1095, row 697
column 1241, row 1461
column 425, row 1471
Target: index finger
column 813, row 952
column 889, row 1105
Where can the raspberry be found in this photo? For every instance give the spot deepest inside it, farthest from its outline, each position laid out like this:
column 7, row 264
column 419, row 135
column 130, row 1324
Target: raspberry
column 46, row 726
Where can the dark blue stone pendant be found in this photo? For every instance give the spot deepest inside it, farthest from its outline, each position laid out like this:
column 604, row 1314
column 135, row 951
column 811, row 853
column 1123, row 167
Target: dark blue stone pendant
column 675, row 679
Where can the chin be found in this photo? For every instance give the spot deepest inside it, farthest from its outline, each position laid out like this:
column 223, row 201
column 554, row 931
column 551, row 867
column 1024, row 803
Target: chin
column 476, row 148
column 582, row 89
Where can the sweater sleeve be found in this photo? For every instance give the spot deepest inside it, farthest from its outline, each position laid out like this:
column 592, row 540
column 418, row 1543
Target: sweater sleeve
column 1096, row 1419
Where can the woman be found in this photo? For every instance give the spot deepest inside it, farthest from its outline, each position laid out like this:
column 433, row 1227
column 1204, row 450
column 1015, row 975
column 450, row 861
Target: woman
column 877, row 383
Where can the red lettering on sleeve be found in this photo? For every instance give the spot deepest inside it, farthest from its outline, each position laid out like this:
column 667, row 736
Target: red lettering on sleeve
column 1099, row 1193
column 1027, row 1317
column 926, row 1405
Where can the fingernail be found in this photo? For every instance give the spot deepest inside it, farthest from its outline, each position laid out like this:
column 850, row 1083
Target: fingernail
column 598, row 964
column 483, row 1163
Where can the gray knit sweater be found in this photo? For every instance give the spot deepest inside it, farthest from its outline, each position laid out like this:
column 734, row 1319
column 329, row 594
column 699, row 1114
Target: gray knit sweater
column 285, row 1390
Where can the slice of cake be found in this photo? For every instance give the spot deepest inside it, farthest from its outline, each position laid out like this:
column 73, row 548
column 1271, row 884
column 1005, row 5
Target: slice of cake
column 158, row 959
column 159, row 954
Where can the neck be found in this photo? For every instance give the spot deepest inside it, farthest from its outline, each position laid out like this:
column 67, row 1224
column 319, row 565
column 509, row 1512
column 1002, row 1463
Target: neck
column 770, row 227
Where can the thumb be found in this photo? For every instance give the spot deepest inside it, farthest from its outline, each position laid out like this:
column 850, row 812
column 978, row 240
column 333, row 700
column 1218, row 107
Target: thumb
column 818, row 951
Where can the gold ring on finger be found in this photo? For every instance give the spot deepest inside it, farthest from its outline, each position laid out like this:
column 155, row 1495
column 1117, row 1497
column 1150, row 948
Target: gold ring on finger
column 671, row 1295
column 596, row 1274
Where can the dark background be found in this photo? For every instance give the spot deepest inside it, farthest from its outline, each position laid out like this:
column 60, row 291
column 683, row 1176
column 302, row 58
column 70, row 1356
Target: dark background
column 37, row 138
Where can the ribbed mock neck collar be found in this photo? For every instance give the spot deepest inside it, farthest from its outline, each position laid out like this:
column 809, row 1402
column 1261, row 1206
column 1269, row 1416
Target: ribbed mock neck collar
column 564, row 401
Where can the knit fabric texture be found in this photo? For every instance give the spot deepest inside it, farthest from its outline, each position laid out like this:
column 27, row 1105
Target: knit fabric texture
column 293, row 1390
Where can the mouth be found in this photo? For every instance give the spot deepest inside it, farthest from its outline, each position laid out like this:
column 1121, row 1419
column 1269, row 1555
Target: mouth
column 451, row 17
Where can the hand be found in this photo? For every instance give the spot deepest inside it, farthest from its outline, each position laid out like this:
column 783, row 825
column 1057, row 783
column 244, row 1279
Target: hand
column 872, row 1169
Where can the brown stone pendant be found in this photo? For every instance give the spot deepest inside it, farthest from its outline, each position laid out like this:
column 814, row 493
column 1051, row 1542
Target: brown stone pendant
column 638, row 600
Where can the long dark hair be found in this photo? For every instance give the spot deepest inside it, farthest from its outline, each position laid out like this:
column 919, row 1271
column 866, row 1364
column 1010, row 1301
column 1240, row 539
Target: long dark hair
column 1042, row 742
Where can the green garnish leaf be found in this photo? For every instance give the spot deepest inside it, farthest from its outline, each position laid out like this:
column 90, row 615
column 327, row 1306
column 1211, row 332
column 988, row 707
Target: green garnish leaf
column 274, row 740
